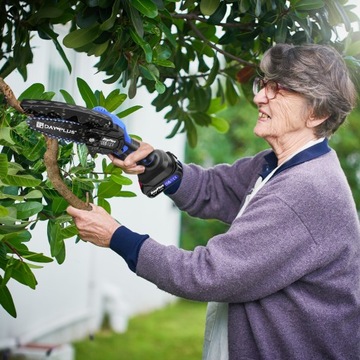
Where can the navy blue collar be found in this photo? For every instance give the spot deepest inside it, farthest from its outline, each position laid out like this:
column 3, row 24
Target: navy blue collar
column 306, row 155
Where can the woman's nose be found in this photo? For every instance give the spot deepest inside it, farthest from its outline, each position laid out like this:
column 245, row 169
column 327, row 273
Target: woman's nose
column 260, row 97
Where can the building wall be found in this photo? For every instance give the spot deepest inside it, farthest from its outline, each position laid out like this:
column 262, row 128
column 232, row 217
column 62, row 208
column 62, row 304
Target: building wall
column 71, row 299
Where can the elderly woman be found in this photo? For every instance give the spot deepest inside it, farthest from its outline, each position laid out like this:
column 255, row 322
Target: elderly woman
column 284, row 281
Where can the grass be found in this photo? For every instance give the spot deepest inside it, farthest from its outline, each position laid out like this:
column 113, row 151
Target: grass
column 173, row 333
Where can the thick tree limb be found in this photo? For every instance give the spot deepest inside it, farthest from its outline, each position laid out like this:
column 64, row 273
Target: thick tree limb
column 50, row 157
column 10, row 97
column 50, row 160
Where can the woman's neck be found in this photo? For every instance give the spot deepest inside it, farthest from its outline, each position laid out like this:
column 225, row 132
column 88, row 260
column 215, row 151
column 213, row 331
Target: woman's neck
column 285, row 150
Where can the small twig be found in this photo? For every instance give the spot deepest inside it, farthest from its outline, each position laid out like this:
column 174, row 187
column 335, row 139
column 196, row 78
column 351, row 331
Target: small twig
column 221, row 51
column 13, row 250
column 194, row 16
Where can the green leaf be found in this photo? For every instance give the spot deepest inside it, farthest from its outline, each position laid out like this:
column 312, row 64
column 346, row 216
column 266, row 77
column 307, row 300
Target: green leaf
column 126, row 194
column 53, row 35
column 114, row 100
column 86, row 93
column 81, row 37
column 67, row 97
column 121, row 180
column 200, row 118
column 143, row 44
column 159, row 86
column 5, row 134
column 8, row 225
column 258, row 8
column 3, row 165
column 214, row 72
column 23, row 274
column 231, row 94
column 104, row 204
column 35, row 91
column 146, row 7
column 208, row 7
column 128, row 111
column 21, row 180
column 6, row 300
column 45, row 12
column 307, row 5
column 56, row 241
column 168, row 34
column 164, row 63
column 36, row 257
column 220, row 124
column 353, row 49
column 27, row 209
column 3, row 211
column 216, row 105
column 17, row 238
column 136, row 19
column 83, row 153
column 34, row 194
column 281, row 31
column 36, row 151
column 109, row 23
column 108, row 189
column 191, row 132
column 69, row 231
column 59, row 205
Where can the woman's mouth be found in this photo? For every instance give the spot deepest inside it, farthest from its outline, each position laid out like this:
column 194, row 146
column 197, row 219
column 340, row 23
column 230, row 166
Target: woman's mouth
column 263, row 116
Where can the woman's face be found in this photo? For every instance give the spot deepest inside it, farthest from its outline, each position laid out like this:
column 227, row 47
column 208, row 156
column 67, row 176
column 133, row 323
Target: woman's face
column 282, row 120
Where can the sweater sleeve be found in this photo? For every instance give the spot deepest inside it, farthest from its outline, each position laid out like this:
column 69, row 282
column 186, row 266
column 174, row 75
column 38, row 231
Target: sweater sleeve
column 203, row 192
column 127, row 244
column 255, row 258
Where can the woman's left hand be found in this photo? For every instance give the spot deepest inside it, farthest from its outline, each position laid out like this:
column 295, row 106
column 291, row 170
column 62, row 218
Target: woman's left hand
column 95, row 226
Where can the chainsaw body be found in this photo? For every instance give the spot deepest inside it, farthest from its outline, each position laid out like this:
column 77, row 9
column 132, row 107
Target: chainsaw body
column 103, row 133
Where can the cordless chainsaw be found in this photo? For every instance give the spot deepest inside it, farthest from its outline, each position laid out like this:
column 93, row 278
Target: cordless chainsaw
column 102, row 133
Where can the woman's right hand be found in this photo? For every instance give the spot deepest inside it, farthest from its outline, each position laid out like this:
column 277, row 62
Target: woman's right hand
column 129, row 165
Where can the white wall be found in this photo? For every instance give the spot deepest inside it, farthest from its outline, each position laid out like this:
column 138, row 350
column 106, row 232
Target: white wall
column 70, row 299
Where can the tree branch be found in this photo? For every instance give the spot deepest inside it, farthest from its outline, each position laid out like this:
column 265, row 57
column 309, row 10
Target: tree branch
column 50, row 160
column 221, row 51
column 50, row 157
column 10, row 97
column 196, row 17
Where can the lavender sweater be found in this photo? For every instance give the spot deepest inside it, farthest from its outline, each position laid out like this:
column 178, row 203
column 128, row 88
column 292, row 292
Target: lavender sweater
column 289, row 267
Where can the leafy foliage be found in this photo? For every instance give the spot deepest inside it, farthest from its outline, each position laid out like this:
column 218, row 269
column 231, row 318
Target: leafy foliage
column 188, row 52
column 27, row 197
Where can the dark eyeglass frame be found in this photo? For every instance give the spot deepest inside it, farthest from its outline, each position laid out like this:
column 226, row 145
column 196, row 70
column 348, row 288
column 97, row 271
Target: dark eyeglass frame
column 261, row 83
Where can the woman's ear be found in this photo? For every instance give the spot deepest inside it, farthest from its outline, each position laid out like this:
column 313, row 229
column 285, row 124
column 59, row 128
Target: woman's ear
column 313, row 121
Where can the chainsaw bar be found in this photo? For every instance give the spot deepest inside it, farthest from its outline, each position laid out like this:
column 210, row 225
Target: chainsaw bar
column 74, row 124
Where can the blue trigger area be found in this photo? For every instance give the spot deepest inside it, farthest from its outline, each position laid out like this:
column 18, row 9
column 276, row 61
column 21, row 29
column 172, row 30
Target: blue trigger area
column 118, row 122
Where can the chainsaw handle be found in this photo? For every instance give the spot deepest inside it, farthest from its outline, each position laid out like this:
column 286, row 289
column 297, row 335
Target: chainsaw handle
column 130, row 145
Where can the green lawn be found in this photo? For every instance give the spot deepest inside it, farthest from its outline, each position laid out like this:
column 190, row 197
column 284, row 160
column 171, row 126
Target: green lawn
column 173, row 333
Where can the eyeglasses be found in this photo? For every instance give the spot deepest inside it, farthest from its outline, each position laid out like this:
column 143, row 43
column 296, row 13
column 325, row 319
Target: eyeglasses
column 271, row 87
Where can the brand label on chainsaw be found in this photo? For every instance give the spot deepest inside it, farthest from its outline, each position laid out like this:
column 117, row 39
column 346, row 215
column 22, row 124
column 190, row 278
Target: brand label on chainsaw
column 45, row 127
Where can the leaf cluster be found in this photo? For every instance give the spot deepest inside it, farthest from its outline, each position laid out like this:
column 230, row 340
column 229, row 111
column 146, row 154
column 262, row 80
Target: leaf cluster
column 27, row 197
column 187, row 52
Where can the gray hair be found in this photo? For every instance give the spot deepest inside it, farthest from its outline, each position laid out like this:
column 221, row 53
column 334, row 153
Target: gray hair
column 319, row 73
